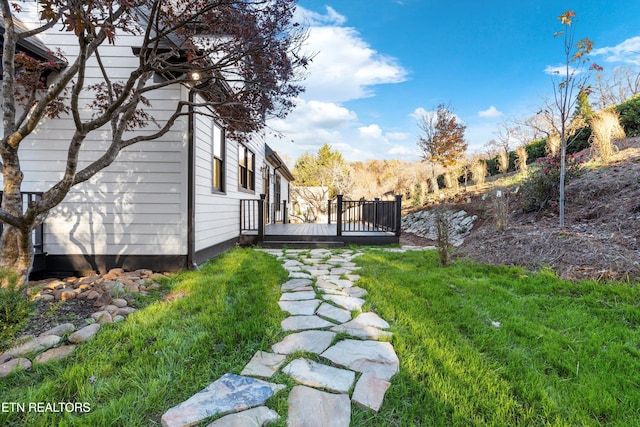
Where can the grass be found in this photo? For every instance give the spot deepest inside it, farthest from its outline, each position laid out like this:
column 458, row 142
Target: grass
column 563, row 353
column 479, row 346
column 212, row 322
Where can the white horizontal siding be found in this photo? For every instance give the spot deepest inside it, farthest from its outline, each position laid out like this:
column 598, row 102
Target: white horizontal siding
column 136, row 206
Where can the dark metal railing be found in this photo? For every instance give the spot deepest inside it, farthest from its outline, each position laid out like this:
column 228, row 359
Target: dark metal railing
column 254, row 215
column 38, row 233
column 366, row 215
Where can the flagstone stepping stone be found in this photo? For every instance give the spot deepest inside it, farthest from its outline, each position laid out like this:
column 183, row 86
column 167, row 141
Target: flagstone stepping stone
column 317, row 375
column 349, row 303
column 84, row 334
column 322, row 284
column 12, row 365
column 304, row 308
column 358, row 330
column 371, row 319
column 369, row 391
column 57, row 353
column 356, row 291
column 375, row 357
column 264, row 364
column 311, row 341
column 295, row 284
column 299, row 323
column 297, row 296
column 292, row 263
column 341, row 283
column 299, row 275
column 309, row 407
column 256, row 417
column 230, row 393
column 60, row 330
column 353, row 277
column 340, row 271
column 334, row 313
column 35, row 345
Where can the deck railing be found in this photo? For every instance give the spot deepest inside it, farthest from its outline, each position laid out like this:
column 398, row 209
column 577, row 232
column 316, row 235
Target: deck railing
column 366, row 215
column 253, row 215
column 38, row 232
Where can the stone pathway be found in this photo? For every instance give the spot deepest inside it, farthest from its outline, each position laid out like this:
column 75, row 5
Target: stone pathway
column 353, row 363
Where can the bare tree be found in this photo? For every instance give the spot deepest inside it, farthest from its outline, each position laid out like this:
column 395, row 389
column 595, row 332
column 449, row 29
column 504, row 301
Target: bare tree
column 241, row 56
column 566, row 85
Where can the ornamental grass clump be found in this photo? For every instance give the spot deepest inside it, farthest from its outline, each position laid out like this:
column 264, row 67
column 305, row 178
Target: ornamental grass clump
column 443, row 234
column 605, row 129
column 541, row 190
column 15, row 308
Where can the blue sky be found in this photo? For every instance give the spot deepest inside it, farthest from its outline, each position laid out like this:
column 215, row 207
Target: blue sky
column 379, row 63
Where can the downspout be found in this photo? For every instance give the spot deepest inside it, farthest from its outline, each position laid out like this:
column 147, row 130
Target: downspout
column 191, row 196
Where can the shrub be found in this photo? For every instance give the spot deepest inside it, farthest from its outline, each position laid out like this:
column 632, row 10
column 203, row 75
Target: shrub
column 542, row 188
column 15, row 309
column 535, row 150
column 443, row 234
column 630, row 115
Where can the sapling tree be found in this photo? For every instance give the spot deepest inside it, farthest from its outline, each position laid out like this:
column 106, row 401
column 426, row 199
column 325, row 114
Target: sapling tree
column 242, row 56
column 568, row 80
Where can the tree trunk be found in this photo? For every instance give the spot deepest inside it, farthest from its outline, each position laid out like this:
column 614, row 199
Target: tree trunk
column 17, row 253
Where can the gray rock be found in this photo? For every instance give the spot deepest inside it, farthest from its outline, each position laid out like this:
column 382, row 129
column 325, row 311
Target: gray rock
column 230, row 393
column 264, row 364
column 52, row 354
column 60, row 330
column 317, row 375
column 369, row 391
column 356, row 291
column 299, row 323
column 256, row 417
column 14, row 365
column 295, row 283
column 102, row 317
column 84, row 334
column 304, row 308
column 35, row 345
column 119, row 302
column 314, row 408
column 310, row 341
column 375, row 357
column 333, row 313
column 348, row 303
column 299, row 275
column 297, row 296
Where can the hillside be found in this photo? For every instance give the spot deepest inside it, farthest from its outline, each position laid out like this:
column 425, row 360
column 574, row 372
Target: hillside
column 601, row 238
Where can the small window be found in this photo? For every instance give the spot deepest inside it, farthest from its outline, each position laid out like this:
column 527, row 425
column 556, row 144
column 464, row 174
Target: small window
column 246, row 168
column 218, row 159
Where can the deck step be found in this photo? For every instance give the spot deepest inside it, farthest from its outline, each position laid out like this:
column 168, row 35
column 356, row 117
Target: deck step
column 277, row 244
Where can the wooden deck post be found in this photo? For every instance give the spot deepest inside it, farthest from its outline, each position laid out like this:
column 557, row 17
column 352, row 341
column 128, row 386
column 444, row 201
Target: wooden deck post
column 398, row 214
column 339, row 216
column 285, row 213
column 261, row 217
column 329, row 211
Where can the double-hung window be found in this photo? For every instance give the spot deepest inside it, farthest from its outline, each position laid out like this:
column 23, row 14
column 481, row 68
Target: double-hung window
column 218, row 158
column 246, row 168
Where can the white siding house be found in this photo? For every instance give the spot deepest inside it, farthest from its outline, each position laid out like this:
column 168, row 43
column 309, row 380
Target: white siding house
column 165, row 204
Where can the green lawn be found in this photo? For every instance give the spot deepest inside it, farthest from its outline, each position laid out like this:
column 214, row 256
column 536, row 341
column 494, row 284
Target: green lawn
column 562, row 354
column 478, row 345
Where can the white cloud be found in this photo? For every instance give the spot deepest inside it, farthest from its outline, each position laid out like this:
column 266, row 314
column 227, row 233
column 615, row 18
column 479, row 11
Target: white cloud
column 372, row 132
column 627, row 51
column 345, row 66
column 491, row 113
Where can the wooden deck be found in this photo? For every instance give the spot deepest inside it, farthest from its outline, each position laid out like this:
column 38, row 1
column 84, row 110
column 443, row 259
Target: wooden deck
column 314, row 235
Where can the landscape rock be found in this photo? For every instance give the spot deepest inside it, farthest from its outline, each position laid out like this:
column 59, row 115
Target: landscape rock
column 369, row 391
column 230, row 393
column 263, row 364
column 60, row 330
column 317, row 375
column 14, row 365
column 35, row 345
column 334, row 313
column 255, row 417
column 295, row 283
column 299, row 323
column 303, row 308
column 297, row 296
column 84, row 334
column 119, row 302
column 348, row 303
column 309, row 341
column 309, row 407
column 375, row 357
column 52, row 354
